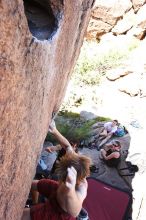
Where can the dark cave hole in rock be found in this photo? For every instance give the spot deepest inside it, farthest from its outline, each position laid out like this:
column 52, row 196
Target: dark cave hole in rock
column 41, row 20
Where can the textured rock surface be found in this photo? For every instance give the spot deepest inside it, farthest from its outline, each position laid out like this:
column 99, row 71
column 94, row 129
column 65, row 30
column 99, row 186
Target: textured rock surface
column 125, row 24
column 112, row 11
column 117, row 17
column 34, row 71
column 138, row 3
column 117, row 73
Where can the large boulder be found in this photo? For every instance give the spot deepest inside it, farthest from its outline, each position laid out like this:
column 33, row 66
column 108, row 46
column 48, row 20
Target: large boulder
column 39, row 44
column 96, row 29
column 105, row 16
column 125, row 24
column 119, row 17
column 112, row 11
column 137, row 4
column 115, row 74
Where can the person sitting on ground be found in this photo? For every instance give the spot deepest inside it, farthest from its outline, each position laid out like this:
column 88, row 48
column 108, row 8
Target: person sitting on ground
column 109, row 129
column 64, row 198
column 111, row 153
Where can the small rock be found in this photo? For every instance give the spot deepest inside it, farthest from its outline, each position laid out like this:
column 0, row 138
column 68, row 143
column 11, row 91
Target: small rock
column 135, row 124
column 97, row 125
column 87, row 115
column 130, row 84
column 117, row 73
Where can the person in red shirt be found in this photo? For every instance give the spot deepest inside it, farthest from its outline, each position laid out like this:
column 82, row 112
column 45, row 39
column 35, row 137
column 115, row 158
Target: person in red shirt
column 64, row 198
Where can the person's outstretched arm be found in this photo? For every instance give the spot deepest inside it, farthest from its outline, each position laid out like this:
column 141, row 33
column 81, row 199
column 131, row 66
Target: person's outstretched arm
column 60, row 138
column 70, row 196
column 51, row 149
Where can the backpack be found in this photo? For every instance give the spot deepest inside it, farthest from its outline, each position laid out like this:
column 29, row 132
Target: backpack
column 120, row 132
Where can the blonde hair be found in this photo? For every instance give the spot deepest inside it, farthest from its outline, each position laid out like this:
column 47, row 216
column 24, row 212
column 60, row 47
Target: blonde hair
column 81, row 164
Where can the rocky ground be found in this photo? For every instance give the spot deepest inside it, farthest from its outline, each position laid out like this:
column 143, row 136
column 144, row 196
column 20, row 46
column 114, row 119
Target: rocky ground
column 121, row 98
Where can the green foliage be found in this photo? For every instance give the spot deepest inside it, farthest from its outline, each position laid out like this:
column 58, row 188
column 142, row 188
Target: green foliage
column 134, row 44
column 73, row 127
column 103, row 119
column 67, row 114
column 88, row 78
column 76, row 130
column 96, row 59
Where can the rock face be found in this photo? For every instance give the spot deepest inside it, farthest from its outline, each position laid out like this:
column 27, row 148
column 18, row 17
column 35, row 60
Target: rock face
column 39, row 44
column 117, row 17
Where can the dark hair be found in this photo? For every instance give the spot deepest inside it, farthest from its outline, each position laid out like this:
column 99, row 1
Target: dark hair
column 81, row 164
column 116, row 143
column 116, row 121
